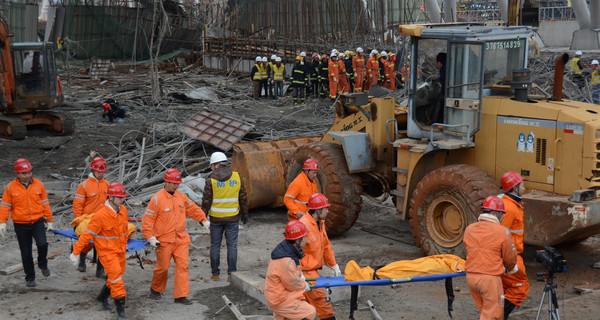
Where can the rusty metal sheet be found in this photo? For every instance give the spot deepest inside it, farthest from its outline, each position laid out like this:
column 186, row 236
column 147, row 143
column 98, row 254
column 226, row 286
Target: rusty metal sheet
column 216, row 129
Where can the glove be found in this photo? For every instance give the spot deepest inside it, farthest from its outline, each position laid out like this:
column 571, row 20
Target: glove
column 335, row 79
column 153, row 242
column 245, row 218
column 2, row 229
column 206, row 225
column 49, row 226
column 74, row 258
column 299, row 214
column 370, row 75
column 336, row 270
column 307, row 287
column 355, row 74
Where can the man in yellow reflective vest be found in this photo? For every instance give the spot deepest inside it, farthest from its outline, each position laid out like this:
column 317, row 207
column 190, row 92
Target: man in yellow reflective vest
column 595, row 82
column 256, row 76
column 226, row 202
column 576, row 69
column 278, row 73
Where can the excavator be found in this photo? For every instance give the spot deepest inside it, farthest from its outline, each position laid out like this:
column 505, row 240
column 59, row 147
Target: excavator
column 438, row 170
column 29, row 87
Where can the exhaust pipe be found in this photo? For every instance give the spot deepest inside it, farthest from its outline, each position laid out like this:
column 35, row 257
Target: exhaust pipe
column 559, row 71
column 520, row 83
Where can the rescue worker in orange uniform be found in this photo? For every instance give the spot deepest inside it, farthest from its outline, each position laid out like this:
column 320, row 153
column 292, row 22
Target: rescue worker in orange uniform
column 108, row 230
column 89, row 198
column 285, row 284
column 360, row 70
column 304, row 185
column 386, row 70
column 516, row 286
column 344, row 84
column 392, row 65
column 163, row 225
column 334, row 71
column 317, row 252
column 26, row 202
column 372, row 69
column 490, row 251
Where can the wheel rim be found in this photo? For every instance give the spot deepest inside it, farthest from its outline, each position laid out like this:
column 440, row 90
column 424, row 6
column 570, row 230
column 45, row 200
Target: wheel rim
column 446, row 221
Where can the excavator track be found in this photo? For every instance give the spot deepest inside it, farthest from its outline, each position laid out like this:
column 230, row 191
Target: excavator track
column 12, row 128
column 61, row 123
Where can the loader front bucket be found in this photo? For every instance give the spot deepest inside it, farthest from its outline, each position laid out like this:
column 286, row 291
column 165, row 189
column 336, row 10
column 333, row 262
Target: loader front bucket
column 262, row 166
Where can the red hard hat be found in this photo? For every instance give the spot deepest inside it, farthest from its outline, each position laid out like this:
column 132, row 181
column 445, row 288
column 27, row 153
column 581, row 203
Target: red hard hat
column 173, row 175
column 98, row 164
column 106, row 106
column 318, row 201
column 510, row 179
column 310, row 164
column 493, row 203
column 295, row 230
column 22, row 165
column 116, row 189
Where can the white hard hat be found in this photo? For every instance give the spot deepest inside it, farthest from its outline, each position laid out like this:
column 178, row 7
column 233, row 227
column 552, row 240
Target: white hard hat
column 359, row 50
column 578, row 53
column 277, row 59
column 264, row 59
column 374, row 52
column 258, row 59
column 303, row 54
column 334, row 51
column 383, row 53
column 273, row 57
column 341, row 55
column 334, row 54
column 217, row 157
column 594, row 61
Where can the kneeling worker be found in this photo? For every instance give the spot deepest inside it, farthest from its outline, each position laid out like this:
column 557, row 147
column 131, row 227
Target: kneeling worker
column 108, row 230
column 285, row 284
column 490, row 251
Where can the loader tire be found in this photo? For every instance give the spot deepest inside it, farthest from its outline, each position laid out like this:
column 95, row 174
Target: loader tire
column 444, row 203
column 342, row 189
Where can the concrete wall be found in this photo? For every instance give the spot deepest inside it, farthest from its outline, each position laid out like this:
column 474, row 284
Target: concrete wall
column 557, row 33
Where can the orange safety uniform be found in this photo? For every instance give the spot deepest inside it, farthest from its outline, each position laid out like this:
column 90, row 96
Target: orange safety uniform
column 108, row 230
column 285, row 287
column 360, row 72
column 516, row 286
column 373, row 71
column 25, row 205
column 489, row 250
column 164, row 218
column 392, row 72
column 388, row 71
column 317, row 252
column 89, row 198
column 344, row 84
column 297, row 194
column 333, row 71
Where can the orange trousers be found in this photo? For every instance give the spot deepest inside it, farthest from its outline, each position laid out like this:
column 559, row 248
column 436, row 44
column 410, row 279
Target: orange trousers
column 114, row 266
column 295, row 309
column 516, row 286
column 317, row 297
column 393, row 83
column 344, row 84
column 179, row 252
column 488, row 295
column 333, row 85
column 371, row 80
column 358, row 81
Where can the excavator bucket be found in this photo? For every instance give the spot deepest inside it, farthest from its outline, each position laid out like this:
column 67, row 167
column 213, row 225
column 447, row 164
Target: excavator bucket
column 262, row 166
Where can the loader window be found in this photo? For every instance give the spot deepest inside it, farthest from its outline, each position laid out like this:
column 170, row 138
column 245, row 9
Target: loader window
column 501, row 58
column 464, row 71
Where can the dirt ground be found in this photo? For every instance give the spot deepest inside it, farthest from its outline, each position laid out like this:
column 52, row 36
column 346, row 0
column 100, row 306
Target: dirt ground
column 379, row 236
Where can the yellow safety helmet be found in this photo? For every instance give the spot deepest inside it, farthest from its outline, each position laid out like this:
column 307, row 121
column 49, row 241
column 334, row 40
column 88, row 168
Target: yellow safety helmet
column 299, row 58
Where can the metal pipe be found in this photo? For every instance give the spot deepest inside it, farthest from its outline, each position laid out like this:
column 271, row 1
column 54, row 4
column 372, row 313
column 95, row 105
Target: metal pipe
column 450, row 11
column 434, row 11
column 503, row 8
column 595, row 14
column 559, row 70
column 582, row 13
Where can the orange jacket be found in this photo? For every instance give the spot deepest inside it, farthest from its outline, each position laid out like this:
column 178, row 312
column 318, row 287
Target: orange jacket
column 90, row 196
column 388, row 69
column 342, row 69
column 165, row 216
column 297, row 194
column 489, row 247
column 359, row 65
column 108, row 230
column 284, row 282
column 334, row 70
column 514, row 221
column 373, row 67
column 318, row 248
column 25, row 205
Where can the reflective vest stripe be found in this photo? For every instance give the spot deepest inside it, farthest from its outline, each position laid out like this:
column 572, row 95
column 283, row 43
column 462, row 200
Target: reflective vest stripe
column 595, row 78
column 306, row 203
column 278, row 72
column 258, row 73
column 226, row 197
column 574, row 66
column 516, row 231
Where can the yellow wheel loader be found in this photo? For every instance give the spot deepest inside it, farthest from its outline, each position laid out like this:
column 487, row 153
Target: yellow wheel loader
column 439, row 156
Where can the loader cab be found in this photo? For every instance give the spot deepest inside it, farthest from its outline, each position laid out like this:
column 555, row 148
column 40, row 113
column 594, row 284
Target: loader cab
column 36, row 79
column 445, row 102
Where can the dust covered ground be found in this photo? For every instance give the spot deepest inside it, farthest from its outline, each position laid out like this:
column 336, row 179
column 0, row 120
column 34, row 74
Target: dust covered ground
column 378, row 238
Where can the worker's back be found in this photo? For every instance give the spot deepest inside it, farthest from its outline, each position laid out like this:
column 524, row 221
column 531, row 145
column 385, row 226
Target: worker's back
column 489, row 248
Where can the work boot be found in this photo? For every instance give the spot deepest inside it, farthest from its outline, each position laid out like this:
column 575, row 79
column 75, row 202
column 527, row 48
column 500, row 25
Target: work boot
column 155, row 295
column 215, row 277
column 100, row 270
column 120, row 303
column 81, row 267
column 102, row 297
column 46, row 272
column 30, row 283
column 183, row 300
column 229, row 278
